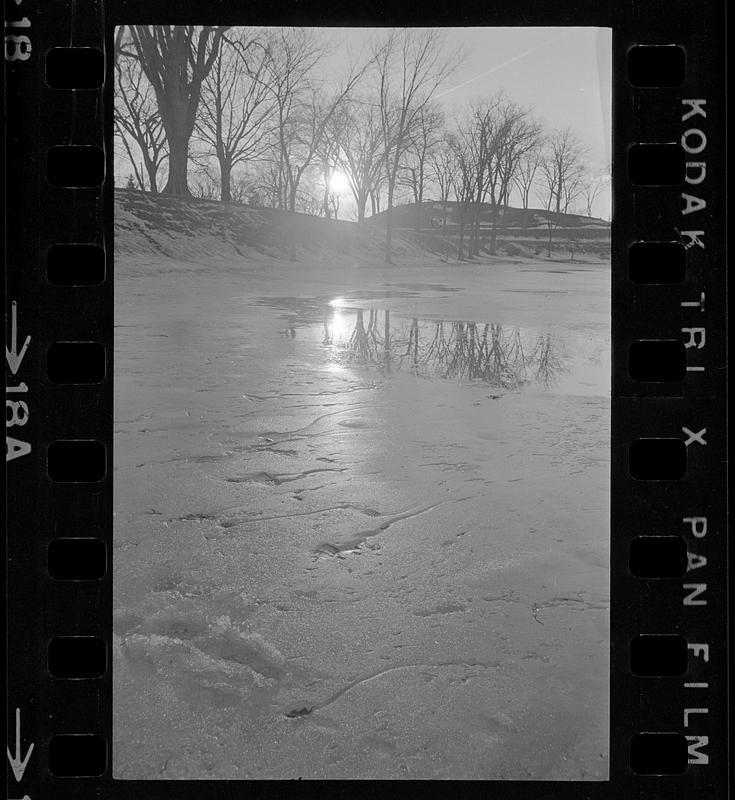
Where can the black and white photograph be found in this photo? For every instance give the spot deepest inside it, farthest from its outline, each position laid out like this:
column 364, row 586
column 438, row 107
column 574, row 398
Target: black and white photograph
column 362, row 371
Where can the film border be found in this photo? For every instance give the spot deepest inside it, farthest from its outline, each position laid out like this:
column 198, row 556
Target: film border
column 40, row 314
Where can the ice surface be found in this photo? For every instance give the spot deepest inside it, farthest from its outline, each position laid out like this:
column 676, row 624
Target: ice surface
column 333, row 561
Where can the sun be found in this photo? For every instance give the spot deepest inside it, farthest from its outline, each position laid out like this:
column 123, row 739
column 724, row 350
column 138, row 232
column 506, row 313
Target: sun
column 338, row 183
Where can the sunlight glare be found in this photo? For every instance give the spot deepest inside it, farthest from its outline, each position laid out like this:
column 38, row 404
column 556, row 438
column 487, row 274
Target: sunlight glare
column 338, row 183
column 340, row 327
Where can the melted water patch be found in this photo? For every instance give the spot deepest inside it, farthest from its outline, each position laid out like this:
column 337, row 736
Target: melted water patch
column 506, row 357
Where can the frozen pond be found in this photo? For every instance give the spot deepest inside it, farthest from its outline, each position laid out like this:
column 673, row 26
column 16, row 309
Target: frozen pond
column 361, row 522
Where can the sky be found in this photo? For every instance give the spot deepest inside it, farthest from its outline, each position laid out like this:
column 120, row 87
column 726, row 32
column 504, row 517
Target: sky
column 563, row 74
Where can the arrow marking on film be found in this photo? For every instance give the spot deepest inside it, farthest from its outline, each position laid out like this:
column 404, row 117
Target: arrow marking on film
column 18, row 764
column 12, row 356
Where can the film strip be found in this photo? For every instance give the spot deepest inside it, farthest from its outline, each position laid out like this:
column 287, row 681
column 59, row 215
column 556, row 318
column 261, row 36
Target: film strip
column 668, row 530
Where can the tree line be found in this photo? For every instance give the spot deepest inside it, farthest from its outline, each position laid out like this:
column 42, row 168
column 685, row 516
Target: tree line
column 241, row 115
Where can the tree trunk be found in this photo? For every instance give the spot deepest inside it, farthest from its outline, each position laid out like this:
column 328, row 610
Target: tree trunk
column 151, row 168
column 386, row 350
column 417, row 197
column 153, row 178
column 225, row 171
column 361, row 203
column 474, row 239
column 178, row 160
column 494, row 231
column 165, row 54
column 325, row 199
column 420, row 198
column 474, row 243
column 292, row 196
column 389, row 226
column 178, row 128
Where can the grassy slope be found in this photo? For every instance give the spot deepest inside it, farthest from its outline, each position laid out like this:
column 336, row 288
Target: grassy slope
column 191, row 228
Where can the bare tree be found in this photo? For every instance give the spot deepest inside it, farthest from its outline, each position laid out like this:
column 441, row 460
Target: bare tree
column 327, row 156
column 138, row 123
column 519, row 134
column 561, row 169
column 498, row 133
column 591, row 187
column 545, row 194
column 330, row 199
column 377, row 191
column 235, row 105
column 243, row 187
column 204, row 184
column 423, row 139
column 462, row 151
column 443, row 171
column 310, row 133
column 359, row 156
column 410, row 66
column 292, row 55
column 482, row 134
column 176, row 59
column 525, row 174
column 573, row 188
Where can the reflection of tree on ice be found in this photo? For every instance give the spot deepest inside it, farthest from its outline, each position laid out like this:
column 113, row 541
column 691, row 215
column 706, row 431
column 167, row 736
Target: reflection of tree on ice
column 413, row 342
column 547, row 361
column 386, row 346
column 359, row 347
column 464, row 350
